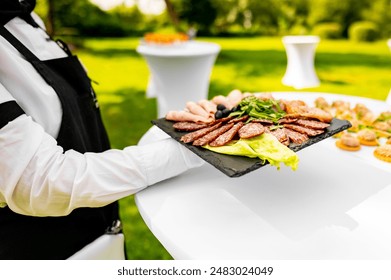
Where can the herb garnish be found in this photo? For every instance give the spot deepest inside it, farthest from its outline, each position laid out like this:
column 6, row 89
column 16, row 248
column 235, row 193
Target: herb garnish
column 256, row 108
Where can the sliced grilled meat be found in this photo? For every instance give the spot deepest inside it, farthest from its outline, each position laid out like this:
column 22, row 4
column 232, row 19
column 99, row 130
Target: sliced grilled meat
column 287, row 120
column 281, row 136
column 296, row 137
column 304, row 130
column 312, row 124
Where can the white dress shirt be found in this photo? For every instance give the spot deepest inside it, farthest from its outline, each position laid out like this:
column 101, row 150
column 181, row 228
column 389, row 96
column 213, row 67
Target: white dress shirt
column 36, row 176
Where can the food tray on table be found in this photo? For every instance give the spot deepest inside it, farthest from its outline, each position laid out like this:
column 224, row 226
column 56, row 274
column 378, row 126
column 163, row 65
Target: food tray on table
column 236, row 166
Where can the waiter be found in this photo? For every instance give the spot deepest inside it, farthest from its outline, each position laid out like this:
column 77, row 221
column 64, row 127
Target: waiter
column 59, row 179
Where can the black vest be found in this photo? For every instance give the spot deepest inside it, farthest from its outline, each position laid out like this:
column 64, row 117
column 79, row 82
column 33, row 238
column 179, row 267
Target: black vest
column 26, row 237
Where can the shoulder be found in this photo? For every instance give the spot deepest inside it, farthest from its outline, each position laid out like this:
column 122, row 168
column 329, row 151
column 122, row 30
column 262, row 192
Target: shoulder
column 35, row 39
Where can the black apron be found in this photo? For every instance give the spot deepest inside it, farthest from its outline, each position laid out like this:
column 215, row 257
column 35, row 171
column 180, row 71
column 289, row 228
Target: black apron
column 26, row 237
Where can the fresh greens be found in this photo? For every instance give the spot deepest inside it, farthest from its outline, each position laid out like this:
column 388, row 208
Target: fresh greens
column 266, row 147
column 256, row 108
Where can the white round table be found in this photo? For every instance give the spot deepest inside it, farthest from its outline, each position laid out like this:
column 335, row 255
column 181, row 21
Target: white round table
column 179, row 73
column 300, row 72
column 337, row 205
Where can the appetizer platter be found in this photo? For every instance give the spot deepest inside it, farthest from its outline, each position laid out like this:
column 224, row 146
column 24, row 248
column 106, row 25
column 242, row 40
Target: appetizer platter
column 369, row 129
column 242, row 132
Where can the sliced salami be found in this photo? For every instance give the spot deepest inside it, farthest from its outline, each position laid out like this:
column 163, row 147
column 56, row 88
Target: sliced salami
column 188, row 126
column 192, row 136
column 304, row 130
column 240, row 119
column 212, row 135
column 251, row 130
column 264, row 121
column 226, row 136
column 222, row 120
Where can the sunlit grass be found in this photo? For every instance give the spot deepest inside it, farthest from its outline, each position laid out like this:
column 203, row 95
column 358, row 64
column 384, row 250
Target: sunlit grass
column 258, row 64
column 249, row 64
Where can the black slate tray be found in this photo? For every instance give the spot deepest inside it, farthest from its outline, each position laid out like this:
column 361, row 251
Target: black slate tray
column 236, row 166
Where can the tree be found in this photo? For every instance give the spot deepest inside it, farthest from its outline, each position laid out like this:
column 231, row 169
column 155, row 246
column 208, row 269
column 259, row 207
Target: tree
column 50, row 18
column 380, row 13
column 265, row 15
column 199, row 13
column 83, row 18
column 226, row 14
column 172, row 14
column 292, row 16
column 343, row 12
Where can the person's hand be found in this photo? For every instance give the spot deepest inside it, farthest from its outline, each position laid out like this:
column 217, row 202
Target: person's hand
column 191, row 159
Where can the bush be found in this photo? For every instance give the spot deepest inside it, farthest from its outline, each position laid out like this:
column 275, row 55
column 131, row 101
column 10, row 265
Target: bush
column 298, row 29
column 328, row 30
column 363, row 31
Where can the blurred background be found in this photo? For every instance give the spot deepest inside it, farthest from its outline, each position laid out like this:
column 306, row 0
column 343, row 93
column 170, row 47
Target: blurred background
column 352, row 58
column 328, row 18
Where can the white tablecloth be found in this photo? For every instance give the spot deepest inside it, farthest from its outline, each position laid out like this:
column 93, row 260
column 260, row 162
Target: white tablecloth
column 335, row 206
column 106, row 247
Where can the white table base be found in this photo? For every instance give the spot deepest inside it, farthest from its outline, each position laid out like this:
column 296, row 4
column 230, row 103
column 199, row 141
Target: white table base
column 179, row 74
column 300, row 72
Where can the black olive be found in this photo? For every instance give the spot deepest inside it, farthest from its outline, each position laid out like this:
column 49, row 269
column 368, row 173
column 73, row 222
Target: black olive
column 218, row 114
column 233, row 109
column 226, row 112
column 220, row 107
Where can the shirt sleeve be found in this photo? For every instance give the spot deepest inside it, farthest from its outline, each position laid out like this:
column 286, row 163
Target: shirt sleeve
column 5, row 96
column 37, row 178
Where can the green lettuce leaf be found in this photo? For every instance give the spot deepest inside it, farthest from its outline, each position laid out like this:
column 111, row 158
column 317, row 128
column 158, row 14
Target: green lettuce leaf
column 266, row 147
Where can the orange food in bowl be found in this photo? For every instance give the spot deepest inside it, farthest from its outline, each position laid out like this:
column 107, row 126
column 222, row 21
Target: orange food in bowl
column 163, row 38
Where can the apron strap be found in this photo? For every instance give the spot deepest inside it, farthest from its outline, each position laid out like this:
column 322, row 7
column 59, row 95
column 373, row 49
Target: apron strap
column 29, row 55
column 17, row 44
column 9, row 111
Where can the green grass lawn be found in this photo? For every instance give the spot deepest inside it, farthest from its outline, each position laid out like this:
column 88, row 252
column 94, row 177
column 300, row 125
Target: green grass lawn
column 248, row 64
